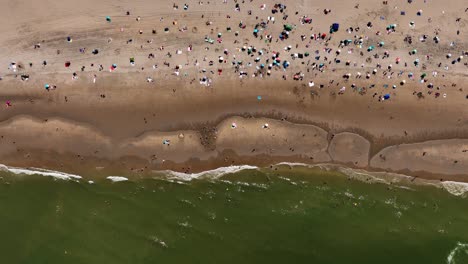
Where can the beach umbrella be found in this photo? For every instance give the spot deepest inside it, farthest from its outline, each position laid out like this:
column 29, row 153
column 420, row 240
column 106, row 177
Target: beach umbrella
column 108, row 19
column 391, row 26
column 47, row 86
column 67, row 64
column 386, row 96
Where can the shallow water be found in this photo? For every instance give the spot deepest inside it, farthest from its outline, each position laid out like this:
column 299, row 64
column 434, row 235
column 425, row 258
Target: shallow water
column 290, row 215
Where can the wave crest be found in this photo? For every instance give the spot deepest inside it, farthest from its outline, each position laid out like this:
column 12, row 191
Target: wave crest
column 42, row 172
column 460, row 248
column 210, row 174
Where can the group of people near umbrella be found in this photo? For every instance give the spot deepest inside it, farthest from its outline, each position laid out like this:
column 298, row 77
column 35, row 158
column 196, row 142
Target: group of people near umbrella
column 313, row 53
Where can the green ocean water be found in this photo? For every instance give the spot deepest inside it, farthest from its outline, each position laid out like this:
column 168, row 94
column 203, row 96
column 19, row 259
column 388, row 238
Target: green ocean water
column 267, row 216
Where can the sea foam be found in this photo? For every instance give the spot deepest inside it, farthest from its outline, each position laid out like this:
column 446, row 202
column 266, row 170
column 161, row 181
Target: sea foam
column 460, row 248
column 455, row 188
column 210, row 174
column 42, row 172
column 117, row 178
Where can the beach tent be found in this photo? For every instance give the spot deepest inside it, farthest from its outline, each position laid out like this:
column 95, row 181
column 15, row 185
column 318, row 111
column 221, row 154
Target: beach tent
column 288, row 27
column 346, row 42
column 386, row 96
column 334, row 27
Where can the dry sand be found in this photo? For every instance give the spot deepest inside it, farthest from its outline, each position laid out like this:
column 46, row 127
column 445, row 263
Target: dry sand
column 119, row 123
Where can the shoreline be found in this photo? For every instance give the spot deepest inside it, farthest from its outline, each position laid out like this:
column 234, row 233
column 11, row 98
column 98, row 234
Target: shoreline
column 371, row 177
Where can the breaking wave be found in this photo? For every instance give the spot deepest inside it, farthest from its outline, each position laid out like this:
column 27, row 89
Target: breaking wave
column 117, row 178
column 42, row 172
column 210, row 174
column 455, row 188
column 461, row 249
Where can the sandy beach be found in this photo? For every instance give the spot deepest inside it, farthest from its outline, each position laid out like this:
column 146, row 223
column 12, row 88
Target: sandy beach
column 134, row 87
